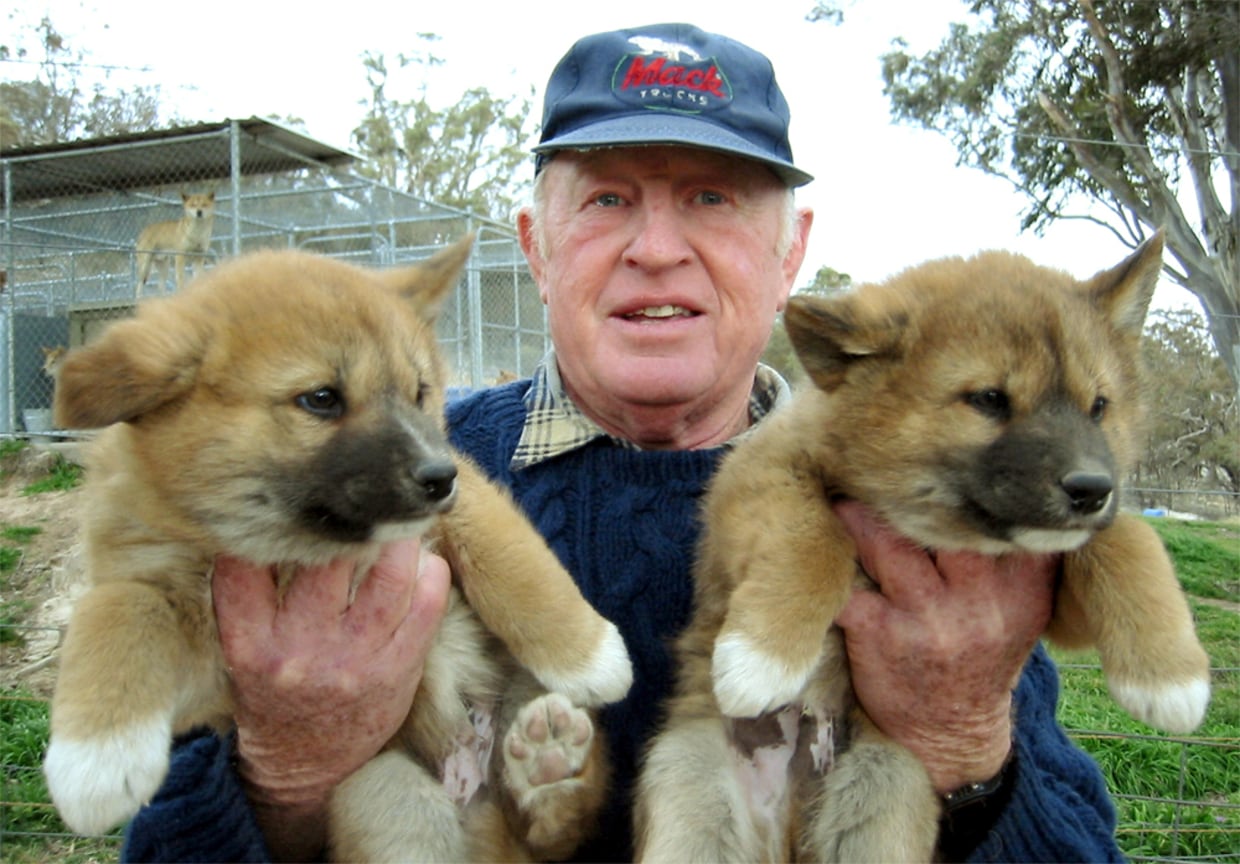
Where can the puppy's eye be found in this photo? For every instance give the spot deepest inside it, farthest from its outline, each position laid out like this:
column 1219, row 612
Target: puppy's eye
column 325, row 402
column 1099, row 409
column 424, row 392
column 993, row 403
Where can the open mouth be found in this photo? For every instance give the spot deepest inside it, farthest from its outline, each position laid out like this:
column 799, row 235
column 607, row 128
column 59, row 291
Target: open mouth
column 656, row 313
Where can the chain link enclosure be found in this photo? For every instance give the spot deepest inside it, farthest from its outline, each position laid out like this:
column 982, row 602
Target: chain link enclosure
column 73, row 213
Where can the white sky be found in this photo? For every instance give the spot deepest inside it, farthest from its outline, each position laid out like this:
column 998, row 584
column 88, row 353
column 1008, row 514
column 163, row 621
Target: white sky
column 885, row 197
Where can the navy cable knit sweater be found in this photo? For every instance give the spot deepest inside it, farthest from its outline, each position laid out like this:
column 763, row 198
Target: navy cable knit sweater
column 622, row 521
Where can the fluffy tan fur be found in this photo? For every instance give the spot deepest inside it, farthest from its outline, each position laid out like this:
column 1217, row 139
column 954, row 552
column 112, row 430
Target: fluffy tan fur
column 986, row 404
column 183, row 240
column 287, row 408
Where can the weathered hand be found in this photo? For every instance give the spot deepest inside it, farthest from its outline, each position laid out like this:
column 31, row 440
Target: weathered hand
column 321, row 685
column 936, row 651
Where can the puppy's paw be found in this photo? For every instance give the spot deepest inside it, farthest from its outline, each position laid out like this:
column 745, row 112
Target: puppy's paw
column 1172, row 707
column 749, row 682
column 98, row 783
column 546, row 745
column 605, row 676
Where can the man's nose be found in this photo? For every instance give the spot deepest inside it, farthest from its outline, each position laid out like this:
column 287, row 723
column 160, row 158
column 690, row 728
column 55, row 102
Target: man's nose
column 659, row 240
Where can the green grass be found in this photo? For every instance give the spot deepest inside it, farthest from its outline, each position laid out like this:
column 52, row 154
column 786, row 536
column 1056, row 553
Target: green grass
column 19, row 533
column 1206, row 554
column 24, row 720
column 62, row 476
column 32, row 830
column 9, row 558
column 12, row 611
column 1156, row 765
column 12, row 446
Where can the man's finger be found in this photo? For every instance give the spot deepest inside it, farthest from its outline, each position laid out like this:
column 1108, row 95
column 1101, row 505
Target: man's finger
column 905, row 574
column 865, row 610
column 244, row 595
column 427, row 604
column 386, row 590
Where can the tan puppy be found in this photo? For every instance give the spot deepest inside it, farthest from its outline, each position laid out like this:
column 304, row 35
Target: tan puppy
column 985, row 404
column 184, row 240
column 287, row 408
column 52, row 358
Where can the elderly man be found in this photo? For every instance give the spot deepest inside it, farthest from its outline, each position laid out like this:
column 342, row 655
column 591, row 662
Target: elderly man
column 664, row 239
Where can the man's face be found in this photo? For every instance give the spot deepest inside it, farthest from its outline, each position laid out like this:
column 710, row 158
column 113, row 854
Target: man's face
column 662, row 269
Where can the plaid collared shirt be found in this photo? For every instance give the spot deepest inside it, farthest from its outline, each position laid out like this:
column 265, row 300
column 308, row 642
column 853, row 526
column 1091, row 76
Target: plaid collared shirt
column 555, row 425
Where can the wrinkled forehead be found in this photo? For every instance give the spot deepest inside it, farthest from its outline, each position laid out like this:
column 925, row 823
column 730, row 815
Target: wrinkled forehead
column 661, row 160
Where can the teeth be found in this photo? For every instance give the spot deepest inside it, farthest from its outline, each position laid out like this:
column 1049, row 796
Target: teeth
column 660, row 312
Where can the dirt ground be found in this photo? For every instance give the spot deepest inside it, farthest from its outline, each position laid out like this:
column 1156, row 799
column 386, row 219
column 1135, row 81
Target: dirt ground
column 38, row 591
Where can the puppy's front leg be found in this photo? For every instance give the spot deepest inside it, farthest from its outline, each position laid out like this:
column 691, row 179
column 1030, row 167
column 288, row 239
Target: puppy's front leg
column 524, row 595
column 180, row 269
column 1120, row 593
column 786, row 574
column 125, row 670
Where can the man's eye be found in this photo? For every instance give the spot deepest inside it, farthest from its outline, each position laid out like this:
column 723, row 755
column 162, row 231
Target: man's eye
column 608, row 199
column 711, row 197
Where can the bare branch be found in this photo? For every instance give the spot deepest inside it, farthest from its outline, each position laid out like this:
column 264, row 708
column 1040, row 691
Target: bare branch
column 1115, row 182
column 1117, row 100
column 1184, row 108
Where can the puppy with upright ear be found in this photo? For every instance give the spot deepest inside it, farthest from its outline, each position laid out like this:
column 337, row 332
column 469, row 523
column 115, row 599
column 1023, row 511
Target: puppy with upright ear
column 987, row 404
column 288, row 409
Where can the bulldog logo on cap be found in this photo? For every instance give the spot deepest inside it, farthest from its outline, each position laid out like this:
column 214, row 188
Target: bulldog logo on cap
column 671, row 76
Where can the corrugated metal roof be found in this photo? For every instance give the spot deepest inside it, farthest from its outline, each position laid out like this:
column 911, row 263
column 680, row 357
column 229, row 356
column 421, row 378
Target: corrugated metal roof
column 202, row 151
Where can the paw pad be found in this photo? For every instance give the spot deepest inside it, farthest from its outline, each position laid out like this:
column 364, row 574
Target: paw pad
column 548, row 742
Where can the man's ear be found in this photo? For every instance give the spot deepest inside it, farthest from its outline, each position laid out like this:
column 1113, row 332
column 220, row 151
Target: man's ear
column 802, row 222
column 528, row 231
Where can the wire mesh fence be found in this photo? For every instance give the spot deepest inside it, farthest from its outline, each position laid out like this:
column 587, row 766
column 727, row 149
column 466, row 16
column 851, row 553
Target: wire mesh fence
column 1160, row 817
column 89, row 230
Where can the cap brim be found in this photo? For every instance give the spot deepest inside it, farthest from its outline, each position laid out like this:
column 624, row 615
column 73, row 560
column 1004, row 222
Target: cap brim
column 655, row 128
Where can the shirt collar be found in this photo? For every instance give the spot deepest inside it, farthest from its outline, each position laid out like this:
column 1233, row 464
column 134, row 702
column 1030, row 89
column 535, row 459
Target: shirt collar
column 554, row 425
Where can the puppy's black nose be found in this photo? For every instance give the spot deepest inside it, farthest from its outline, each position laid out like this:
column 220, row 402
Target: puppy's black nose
column 1087, row 491
column 436, row 479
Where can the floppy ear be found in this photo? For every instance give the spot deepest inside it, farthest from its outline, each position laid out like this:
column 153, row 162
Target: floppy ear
column 428, row 283
column 134, row 367
column 1124, row 292
column 829, row 333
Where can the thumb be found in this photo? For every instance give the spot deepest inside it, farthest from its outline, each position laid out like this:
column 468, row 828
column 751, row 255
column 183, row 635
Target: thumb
column 865, row 610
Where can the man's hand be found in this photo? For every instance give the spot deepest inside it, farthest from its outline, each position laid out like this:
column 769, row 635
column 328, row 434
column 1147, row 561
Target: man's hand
column 321, row 685
column 936, row 651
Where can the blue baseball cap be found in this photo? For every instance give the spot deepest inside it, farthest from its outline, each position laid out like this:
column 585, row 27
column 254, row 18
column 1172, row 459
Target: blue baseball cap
column 667, row 84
